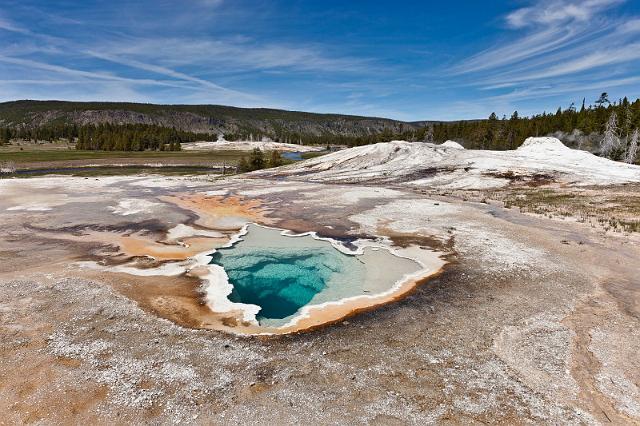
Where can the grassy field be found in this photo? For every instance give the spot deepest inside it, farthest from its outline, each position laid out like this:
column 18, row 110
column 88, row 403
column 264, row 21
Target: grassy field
column 37, row 159
column 30, row 160
column 31, row 156
column 617, row 209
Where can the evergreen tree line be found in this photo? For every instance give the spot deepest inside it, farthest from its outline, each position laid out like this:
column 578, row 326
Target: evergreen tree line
column 509, row 133
column 49, row 132
column 132, row 137
column 107, row 137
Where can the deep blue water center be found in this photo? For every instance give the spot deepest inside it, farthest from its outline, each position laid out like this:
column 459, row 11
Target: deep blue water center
column 282, row 274
column 279, row 280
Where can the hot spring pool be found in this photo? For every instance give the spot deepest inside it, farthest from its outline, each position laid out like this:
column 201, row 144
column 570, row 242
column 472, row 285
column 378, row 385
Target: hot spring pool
column 282, row 274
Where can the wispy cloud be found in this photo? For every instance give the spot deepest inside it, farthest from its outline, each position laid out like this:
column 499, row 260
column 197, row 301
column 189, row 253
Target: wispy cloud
column 231, row 53
column 62, row 49
column 599, row 58
column 72, row 90
column 617, row 46
column 553, row 90
column 559, row 47
column 90, row 75
column 193, row 65
column 7, row 25
column 166, row 72
column 549, row 27
column 558, row 12
column 539, row 42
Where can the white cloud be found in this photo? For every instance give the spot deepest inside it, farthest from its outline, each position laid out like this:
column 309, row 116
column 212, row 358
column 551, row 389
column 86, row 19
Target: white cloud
column 597, row 59
column 563, row 88
column 238, row 53
column 557, row 12
column 551, row 27
column 165, row 71
column 7, row 25
column 113, row 91
column 90, row 75
column 177, row 64
column 631, row 26
column 557, row 44
column 531, row 45
column 552, row 51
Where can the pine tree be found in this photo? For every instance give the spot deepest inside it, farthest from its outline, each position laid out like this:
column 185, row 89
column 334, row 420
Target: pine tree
column 603, row 99
column 490, row 136
column 513, row 129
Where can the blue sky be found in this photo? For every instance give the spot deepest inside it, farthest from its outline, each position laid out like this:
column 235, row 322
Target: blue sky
column 401, row 59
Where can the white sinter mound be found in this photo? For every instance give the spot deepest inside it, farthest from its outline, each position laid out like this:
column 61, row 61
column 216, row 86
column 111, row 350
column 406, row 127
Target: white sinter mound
column 450, row 165
column 452, row 144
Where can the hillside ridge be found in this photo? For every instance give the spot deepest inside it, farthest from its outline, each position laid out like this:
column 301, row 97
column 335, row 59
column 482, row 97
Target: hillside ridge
column 212, row 119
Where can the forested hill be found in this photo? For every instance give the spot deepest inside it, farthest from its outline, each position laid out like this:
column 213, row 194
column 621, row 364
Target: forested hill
column 580, row 127
column 604, row 127
column 209, row 119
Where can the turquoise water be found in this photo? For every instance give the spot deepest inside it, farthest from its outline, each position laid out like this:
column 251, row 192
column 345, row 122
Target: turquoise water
column 280, row 280
column 281, row 274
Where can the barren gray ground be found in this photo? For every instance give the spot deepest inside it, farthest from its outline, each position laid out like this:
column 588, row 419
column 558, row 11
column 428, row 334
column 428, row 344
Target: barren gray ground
column 535, row 320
